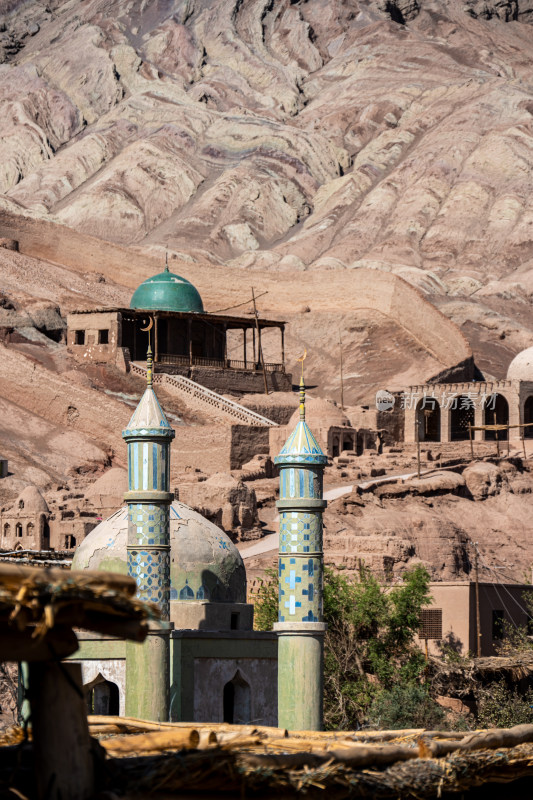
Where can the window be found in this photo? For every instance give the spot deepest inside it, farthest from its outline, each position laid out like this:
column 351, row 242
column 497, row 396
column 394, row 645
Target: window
column 498, row 618
column 29, row 529
column 21, row 503
column 70, row 541
column 18, row 530
column 234, row 621
column 79, row 337
column 103, row 336
column 430, row 623
column 7, row 529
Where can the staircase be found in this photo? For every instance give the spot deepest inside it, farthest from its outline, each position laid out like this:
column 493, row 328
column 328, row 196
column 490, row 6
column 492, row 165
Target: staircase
column 204, row 399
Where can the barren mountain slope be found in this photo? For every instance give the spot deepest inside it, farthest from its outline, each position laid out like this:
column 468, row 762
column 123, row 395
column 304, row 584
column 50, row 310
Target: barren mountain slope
column 287, row 135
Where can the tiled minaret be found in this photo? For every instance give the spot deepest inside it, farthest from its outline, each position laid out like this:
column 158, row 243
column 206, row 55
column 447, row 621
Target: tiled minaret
column 148, row 546
column 301, row 565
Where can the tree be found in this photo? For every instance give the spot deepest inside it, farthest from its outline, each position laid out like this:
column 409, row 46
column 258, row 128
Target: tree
column 369, row 645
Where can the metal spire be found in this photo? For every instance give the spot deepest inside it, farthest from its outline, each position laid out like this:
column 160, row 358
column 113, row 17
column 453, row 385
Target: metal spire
column 302, row 387
column 149, row 362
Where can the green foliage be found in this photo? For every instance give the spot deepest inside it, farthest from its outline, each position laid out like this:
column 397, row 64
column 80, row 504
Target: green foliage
column 369, row 645
column 370, row 641
column 406, row 706
column 517, row 638
column 266, row 605
column 502, row 707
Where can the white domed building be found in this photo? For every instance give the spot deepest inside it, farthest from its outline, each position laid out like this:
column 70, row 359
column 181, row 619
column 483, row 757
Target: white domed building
column 446, row 412
column 221, row 670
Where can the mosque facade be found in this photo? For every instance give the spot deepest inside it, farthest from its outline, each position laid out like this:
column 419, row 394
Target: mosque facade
column 202, row 661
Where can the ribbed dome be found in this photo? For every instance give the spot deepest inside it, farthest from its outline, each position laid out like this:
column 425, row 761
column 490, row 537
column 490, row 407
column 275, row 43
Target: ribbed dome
column 521, row 367
column 204, row 562
column 167, row 292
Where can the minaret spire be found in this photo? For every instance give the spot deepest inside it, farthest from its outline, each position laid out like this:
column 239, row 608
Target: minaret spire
column 300, row 623
column 148, row 436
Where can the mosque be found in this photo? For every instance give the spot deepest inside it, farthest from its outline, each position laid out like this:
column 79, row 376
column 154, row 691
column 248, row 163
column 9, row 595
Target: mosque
column 186, row 339
column 203, row 662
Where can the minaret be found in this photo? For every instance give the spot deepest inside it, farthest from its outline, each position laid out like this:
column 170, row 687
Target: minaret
column 301, row 625
column 148, row 546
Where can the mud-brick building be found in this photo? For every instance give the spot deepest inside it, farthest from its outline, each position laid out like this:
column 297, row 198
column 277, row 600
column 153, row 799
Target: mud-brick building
column 219, row 351
column 445, row 412
column 30, row 524
column 331, row 426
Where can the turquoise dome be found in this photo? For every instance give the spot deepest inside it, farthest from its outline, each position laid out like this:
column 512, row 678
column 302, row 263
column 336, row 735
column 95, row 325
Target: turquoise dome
column 167, row 292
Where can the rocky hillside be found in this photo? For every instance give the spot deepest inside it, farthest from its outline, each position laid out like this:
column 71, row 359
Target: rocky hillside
column 280, row 135
column 322, row 151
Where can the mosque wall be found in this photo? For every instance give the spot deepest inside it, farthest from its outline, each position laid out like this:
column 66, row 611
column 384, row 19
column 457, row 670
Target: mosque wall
column 204, row 663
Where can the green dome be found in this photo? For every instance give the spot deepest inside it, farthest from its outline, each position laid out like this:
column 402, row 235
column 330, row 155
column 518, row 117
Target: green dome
column 167, row 292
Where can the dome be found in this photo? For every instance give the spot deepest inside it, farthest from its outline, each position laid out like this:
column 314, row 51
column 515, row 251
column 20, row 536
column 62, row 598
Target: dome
column 32, row 501
column 204, row 562
column 521, row 367
column 167, row 292
column 320, row 413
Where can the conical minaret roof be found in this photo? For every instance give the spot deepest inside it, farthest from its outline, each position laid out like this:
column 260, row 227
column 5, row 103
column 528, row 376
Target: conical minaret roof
column 148, row 417
column 301, row 447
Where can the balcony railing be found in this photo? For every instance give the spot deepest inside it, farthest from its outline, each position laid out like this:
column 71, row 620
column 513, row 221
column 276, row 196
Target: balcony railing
column 218, row 363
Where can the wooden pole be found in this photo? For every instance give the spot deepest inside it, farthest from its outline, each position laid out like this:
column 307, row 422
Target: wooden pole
column 244, row 346
column 524, row 443
column 471, row 442
column 342, row 376
column 62, row 748
column 478, row 620
column 283, row 347
column 189, row 335
column 259, row 346
column 156, row 341
column 418, row 446
column 496, row 433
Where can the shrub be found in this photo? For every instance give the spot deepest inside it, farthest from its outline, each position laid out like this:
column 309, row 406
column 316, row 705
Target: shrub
column 406, row 707
column 502, row 707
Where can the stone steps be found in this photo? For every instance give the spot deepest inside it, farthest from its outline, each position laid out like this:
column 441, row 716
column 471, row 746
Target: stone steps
column 205, row 399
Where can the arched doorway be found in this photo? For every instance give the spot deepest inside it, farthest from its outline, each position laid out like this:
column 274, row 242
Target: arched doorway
column 461, row 416
column 496, row 411
column 336, row 447
column 528, row 417
column 428, row 419
column 103, row 698
column 237, row 700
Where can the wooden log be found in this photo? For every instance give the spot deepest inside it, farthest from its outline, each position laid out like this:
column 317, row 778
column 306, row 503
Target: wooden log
column 479, row 740
column 363, row 755
column 12, row 576
column 155, row 741
column 16, row 645
column 132, row 723
column 62, row 746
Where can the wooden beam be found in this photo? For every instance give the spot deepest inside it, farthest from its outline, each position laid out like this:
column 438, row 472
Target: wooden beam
column 16, row 645
column 62, row 747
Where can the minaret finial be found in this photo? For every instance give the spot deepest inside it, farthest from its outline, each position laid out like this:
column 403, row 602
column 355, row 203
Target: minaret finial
column 166, row 261
column 302, row 387
column 149, row 362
